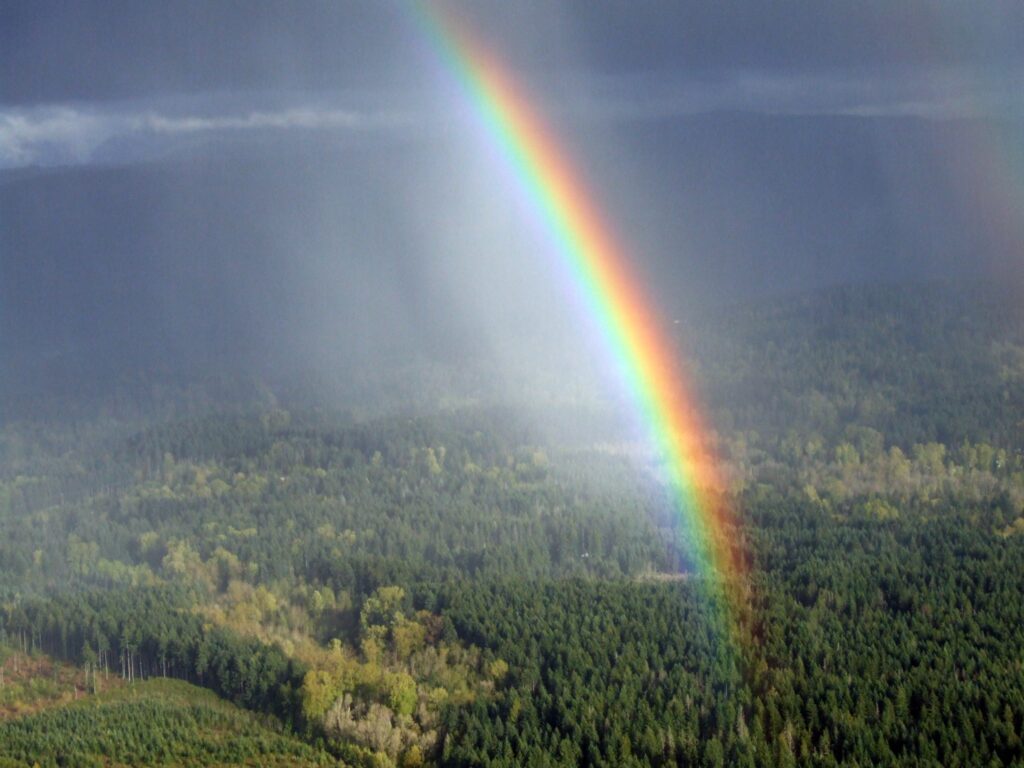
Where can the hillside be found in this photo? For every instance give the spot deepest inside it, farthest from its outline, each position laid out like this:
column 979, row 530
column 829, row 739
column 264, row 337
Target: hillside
column 157, row 722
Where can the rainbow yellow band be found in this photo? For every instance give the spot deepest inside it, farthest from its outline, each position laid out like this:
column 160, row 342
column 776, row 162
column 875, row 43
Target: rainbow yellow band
column 620, row 308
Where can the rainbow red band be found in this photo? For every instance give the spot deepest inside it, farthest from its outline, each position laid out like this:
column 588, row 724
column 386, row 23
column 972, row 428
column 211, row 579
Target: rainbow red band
column 613, row 296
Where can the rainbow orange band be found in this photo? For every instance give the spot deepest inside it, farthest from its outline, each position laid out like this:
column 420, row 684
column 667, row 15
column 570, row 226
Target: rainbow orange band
column 613, row 296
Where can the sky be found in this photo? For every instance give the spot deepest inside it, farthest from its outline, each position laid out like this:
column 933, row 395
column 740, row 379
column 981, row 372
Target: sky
column 77, row 76
column 289, row 180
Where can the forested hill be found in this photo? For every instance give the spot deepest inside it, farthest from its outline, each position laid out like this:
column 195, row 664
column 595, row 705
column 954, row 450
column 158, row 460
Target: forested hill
column 915, row 361
column 466, row 581
column 918, row 363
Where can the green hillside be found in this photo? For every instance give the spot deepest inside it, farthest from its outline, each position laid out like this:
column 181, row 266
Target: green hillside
column 156, row 722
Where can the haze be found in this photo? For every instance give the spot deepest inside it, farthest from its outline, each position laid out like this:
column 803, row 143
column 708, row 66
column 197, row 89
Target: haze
column 272, row 187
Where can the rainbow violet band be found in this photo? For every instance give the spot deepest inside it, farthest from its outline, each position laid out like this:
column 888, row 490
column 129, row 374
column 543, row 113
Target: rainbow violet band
column 613, row 297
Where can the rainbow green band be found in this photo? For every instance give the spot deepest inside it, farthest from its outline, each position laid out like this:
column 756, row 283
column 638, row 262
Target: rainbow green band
column 613, row 297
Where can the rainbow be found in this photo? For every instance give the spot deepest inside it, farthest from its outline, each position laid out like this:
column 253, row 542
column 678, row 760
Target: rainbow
column 600, row 269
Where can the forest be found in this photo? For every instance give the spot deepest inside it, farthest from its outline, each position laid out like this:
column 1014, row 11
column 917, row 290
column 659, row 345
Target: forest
column 228, row 571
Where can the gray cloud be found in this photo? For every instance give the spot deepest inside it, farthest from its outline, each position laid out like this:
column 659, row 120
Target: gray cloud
column 933, row 93
column 66, row 134
column 63, row 134
column 60, row 134
column 291, row 118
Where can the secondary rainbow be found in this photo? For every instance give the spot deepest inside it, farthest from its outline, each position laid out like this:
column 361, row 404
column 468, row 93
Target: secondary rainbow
column 614, row 298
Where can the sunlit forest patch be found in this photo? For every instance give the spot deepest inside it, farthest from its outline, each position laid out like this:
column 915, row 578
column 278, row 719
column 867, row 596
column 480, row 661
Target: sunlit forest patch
column 157, row 722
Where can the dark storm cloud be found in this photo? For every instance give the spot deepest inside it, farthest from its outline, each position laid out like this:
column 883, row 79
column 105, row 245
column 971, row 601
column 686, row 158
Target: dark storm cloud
column 59, row 52
column 56, row 52
column 807, row 34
